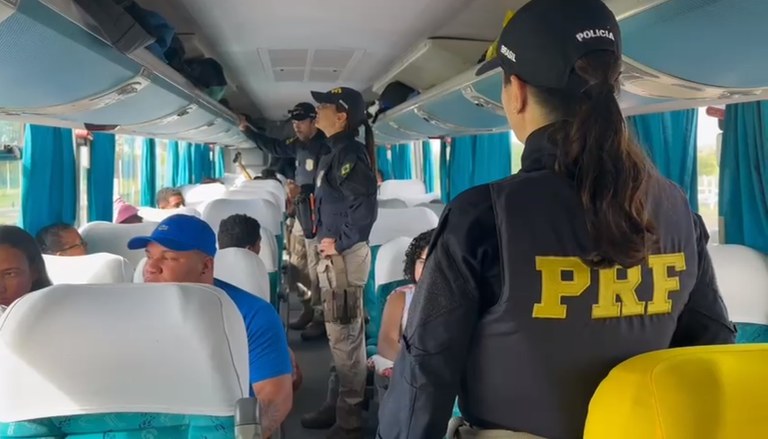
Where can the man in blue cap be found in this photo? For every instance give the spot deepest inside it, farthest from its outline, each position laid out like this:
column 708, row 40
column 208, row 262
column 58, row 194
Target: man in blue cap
column 181, row 250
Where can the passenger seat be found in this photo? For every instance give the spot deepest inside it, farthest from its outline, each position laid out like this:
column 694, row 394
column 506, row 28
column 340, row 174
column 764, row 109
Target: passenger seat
column 99, row 268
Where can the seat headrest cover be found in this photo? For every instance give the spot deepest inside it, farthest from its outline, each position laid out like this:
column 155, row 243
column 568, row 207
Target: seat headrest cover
column 104, row 237
column 99, row 268
column 699, row 392
column 243, row 269
column 394, row 223
column 742, row 277
column 88, row 349
column 390, row 261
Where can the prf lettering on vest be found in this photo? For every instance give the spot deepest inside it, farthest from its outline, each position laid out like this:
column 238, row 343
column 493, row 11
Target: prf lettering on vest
column 613, row 283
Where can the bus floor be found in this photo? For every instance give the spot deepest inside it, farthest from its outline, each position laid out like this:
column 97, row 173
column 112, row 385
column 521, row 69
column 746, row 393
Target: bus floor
column 314, row 358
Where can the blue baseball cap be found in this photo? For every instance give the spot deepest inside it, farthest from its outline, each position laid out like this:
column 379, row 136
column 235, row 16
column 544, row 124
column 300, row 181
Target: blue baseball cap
column 181, row 233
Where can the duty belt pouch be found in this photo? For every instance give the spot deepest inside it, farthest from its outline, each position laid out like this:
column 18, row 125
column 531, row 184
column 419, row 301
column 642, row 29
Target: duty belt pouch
column 304, row 214
column 341, row 301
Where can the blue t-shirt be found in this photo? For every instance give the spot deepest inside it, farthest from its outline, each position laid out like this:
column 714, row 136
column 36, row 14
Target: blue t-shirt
column 267, row 346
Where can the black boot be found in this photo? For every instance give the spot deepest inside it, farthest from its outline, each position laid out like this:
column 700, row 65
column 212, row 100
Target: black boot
column 304, row 319
column 349, row 423
column 315, row 331
column 322, row 419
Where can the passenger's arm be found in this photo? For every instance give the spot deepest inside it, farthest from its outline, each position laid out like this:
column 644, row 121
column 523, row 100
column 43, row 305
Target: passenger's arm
column 270, row 368
column 390, row 332
column 704, row 320
column 438, row 335
column 270, row 145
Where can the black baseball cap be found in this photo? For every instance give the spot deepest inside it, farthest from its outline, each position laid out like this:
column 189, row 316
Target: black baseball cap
column 350, row 100
column 543, row 40
column 303, row 111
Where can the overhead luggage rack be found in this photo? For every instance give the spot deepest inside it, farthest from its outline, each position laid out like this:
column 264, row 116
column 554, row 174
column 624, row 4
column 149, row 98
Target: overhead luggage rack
column 58, row 67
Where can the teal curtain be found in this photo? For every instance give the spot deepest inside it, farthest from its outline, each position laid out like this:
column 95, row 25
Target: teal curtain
column 101, row 177
column 429, row 166
column 172, row 161
column 384, row 163
column 49, row 178
column 493, row 158
column 219, row 162
column 670, row 141
column 744, row 175
column 460, row 165
column 402, row 161
column 203, row 163
column 445, row 172
column 185, row 166
column 148, row 172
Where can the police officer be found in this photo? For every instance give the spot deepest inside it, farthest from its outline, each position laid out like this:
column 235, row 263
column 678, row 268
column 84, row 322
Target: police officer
column 346, row 210
column 537, row 285
column 307, row 147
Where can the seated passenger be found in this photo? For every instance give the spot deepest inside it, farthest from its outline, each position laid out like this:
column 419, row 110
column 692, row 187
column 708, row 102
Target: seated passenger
column 240, row 231
column 22, row 269
column 182, row 249
column 396, row 312
column 126, row 213
column 169, row 198
column 61, row 240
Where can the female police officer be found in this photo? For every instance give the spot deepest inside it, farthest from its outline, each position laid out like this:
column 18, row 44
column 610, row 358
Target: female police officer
column 539, row 284
column 346, row 210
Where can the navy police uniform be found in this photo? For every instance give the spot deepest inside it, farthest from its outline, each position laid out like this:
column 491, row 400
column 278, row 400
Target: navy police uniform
column 346, row 210
column 508, row 316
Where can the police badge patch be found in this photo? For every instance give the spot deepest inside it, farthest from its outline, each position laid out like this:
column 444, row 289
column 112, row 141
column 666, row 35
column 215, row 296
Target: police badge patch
column 309, row 164
column 345, row 169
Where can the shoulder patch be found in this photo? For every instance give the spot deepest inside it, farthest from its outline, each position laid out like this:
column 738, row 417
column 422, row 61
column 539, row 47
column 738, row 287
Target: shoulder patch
column 345, row 169
column 291, row 140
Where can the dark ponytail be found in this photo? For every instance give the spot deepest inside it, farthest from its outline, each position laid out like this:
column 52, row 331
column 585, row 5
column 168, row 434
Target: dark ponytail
column 612, row 174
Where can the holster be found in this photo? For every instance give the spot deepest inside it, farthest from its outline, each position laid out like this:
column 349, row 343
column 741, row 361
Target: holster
column 305, row 213
column 342, row 303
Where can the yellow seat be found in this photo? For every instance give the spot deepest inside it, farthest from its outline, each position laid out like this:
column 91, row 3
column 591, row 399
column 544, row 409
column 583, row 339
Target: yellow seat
column 688, row 393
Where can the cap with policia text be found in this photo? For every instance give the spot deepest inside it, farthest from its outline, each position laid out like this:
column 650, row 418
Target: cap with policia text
column 350, row 100
column 303, row 111
column 181, row 233
column 543, row 40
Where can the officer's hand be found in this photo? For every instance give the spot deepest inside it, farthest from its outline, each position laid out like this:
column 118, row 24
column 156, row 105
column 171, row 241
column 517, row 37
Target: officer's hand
column 328, row 247
column 242, row 122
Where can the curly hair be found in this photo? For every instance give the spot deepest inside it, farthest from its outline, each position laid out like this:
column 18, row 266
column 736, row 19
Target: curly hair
column 413, row 253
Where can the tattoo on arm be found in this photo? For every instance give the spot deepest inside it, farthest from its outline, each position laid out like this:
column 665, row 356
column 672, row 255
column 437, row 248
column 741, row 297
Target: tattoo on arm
column 269, row 415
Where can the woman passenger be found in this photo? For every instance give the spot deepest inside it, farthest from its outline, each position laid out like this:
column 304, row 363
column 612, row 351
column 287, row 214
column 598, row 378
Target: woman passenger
column 22, row 269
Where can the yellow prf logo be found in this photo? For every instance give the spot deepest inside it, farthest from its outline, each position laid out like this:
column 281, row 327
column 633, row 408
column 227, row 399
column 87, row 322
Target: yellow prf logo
column 345, row 169
column 336, row 91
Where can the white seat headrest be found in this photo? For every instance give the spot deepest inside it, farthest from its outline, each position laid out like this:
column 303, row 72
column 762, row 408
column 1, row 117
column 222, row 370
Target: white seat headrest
column 104, row 237
column 264, row 211
column 87, row 349
column 438, row 208
column 99, row 268
column 742, row 277
column 243, row 269
column 268, row 252
column 401, row 188
column 392, row 203
column 390, row 261
column 393, row 223
column 138, row 274
column 158, row 215
column 202, row 193
column 258, row 194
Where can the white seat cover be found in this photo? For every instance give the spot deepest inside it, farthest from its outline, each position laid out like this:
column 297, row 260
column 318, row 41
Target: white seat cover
column 264, row 211
column 88, row 349
column 243, row 269
column 393, row 223
column 157, row 215
column 104, row 237
column 401, row 189
column 268, row 252
column 257, row 194
column 390, row 261
column 202, row 193
column 438, row 208
column 138, row 274
column 98, row 268
column 742, row 277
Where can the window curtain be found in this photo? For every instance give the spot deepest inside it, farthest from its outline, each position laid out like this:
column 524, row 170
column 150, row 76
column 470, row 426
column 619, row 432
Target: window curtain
column 402, row 161
column 493, row 158
column 219, row 162
column 172, row 161
column 101, row 177
column 204, row 165
column 445, row 172
column 460, row 165
column 743, row 194
column 148, row 172
column 383, row 162
column 186, row 171
column 429, row 166
column 49, row 188
column 670, row 141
